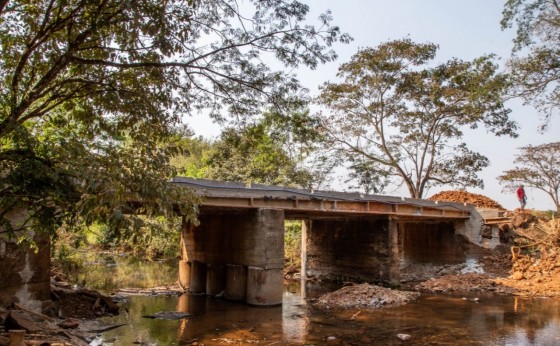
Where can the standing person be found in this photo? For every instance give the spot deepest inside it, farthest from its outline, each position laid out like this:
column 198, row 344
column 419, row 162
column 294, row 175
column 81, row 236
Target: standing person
column 521, row 196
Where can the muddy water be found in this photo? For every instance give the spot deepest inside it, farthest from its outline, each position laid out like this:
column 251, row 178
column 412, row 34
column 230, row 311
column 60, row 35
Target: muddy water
column 431, row 320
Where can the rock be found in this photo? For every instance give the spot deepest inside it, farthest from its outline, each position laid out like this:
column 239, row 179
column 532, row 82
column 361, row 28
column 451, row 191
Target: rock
column 70, row 323
column 486, row 232
column 522, row 219
column 331, row 338
column 17, row 320
column 518, row 276
column 403, row 337
column 168, row 315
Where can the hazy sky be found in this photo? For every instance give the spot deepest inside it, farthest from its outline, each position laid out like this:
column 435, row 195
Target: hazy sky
column 462, row 29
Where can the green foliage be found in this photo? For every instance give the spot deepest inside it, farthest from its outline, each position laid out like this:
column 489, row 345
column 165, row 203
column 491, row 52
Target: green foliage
column 276, row 149
column 191, row 161
column 538, row 167
column 250, row 155
column 292, row 243
column 91, row 93
column 535, row 67
column 398, row 117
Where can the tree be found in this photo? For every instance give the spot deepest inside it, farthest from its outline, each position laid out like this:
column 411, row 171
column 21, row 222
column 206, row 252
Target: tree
column 251, row 155
column 536, row 74
column 538, row 167
column 395, row 113
column 91, row 92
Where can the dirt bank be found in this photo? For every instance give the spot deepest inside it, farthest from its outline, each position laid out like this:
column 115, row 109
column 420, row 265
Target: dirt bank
column 480, row 201
column 531, row 267
column 67, row 320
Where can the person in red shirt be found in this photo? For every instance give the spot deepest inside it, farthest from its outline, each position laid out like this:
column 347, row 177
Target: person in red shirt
column 521, row 196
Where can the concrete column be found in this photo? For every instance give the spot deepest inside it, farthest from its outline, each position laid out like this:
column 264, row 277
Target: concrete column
column 266, row 258
column 305, row 229
column 184, row 264
column 215, row 279
column 264, row 286
column 236, row 282
column 184, row 274
column 198, row 277
column 394, row 256
column 250, row 238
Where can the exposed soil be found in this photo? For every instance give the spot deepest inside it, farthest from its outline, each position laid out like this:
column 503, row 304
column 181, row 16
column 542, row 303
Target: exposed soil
column 480, row 201
column 531, row 268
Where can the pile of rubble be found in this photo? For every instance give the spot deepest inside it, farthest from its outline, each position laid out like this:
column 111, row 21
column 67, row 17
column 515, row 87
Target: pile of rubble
column 67, row 321
column 479, row 201
column 365, row 296
column 532, row 268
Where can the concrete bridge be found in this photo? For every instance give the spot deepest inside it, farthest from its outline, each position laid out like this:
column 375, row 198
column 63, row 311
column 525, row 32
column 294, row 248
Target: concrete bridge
column 238, row 246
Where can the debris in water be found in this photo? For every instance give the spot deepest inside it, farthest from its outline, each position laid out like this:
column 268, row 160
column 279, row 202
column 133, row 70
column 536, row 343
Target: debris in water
column 366, row 295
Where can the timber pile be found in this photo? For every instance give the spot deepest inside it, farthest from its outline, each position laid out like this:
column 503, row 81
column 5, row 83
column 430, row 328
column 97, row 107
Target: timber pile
column 479, row 201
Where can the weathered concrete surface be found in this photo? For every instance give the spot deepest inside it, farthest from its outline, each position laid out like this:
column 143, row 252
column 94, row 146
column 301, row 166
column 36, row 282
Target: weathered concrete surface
column 359, row 249
column 264, row 286
column 474, row 228
column 198, row 277
column 434, row 242
column 215, row 279
column 236, row 282
column 24, row 272
column 184, row 274
column 251, row 238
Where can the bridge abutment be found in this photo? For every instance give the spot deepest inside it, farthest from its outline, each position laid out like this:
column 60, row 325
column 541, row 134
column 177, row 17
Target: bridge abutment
column 253, row 239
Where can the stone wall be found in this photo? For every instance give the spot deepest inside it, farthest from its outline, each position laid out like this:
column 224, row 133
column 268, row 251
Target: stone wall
column 24, row 270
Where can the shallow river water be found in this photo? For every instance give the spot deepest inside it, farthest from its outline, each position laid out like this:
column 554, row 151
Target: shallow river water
column 431, row 320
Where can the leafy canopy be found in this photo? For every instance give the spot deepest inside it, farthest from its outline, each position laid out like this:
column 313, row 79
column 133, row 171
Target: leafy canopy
column 271, row 150
column 399, row 117
column 535, row 66
column 91, row 93
column 538, row 167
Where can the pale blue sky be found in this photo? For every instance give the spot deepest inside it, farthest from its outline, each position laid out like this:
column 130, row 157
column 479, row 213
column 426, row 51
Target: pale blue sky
column 462, row 29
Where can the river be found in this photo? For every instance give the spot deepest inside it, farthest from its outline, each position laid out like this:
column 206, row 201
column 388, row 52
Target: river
column 459, row 319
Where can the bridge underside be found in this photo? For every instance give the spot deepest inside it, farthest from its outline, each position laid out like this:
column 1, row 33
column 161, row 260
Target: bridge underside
column 240, row 252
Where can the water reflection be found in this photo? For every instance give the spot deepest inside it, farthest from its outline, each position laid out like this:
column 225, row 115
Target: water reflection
column 107, row 272
column 432, row 320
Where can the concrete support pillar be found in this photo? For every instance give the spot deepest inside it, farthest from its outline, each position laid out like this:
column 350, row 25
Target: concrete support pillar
column 305, row 229
column 215, row 279
column 264, row 286
column 394, row 255
column 184, row 274
column 236, row 282
column 252, row 237
column 184, row 264
column 198, row 277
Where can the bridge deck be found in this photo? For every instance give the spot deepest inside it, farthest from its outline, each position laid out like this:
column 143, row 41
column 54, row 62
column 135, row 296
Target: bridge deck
column 298, row 203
